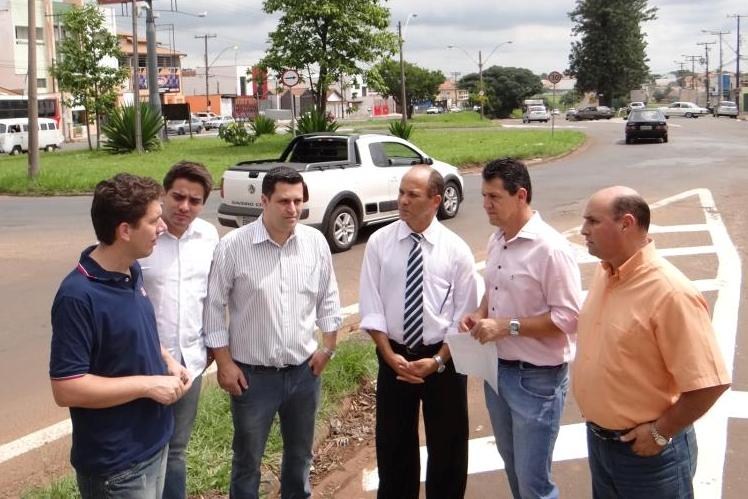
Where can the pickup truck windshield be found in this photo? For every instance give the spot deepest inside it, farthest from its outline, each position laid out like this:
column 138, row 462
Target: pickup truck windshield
column 319, row 151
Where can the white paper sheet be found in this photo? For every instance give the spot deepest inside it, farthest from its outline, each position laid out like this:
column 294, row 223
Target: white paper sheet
column 473, row 359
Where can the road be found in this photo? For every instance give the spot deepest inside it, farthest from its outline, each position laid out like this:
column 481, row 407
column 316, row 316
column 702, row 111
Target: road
column 42, row 237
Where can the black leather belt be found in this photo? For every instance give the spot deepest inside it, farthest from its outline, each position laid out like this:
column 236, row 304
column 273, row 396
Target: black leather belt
column 605, row 433
column 421, row 352
column 521, row 364
column 271, row 369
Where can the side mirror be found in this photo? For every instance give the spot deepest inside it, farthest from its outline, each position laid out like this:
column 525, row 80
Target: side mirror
column 428, row 161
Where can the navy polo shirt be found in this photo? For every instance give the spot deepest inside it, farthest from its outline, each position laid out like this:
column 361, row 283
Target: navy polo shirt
column 103, row 324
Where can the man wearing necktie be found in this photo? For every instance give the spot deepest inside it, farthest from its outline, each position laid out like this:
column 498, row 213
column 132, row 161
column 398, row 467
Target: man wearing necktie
column 417, row 281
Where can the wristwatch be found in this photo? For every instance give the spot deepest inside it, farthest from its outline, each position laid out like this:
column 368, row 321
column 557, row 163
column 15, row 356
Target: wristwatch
column 329, row 352
column 658, row 438
column 440, row 363
column 514, row 327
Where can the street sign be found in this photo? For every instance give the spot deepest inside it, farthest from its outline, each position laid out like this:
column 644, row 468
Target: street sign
column 290, row 78
column 555, row 77
column 481, row 93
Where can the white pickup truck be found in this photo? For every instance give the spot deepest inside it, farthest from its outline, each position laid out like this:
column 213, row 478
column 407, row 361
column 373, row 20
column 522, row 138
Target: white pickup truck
column 353, row 180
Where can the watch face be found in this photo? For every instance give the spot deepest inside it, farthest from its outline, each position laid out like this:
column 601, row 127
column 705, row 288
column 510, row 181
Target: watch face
column 514, row 327
column 661, row 441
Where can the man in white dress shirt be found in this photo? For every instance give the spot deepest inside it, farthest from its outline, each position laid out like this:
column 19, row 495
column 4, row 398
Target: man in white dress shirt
column 176, row 279
column 276, row 277
column 417, row 281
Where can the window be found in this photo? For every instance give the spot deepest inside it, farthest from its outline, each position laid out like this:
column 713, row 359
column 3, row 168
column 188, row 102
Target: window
column 41, row 83
column 52, row 126
column 42, row 126
column 400, row 154
column 2, row 128
column 22, row 34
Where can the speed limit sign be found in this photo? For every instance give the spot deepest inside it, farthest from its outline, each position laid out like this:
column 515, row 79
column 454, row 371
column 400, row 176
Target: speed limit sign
column 290, row 78
column 555, row 77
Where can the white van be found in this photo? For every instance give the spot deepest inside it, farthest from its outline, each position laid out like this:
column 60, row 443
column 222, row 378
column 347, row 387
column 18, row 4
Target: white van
column 14, row 135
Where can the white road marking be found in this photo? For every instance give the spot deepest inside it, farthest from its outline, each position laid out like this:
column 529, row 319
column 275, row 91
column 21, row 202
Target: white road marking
column 708, row 480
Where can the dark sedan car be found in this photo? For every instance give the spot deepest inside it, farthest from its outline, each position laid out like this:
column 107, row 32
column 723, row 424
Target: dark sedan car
column 646, row 124
column 592, row 113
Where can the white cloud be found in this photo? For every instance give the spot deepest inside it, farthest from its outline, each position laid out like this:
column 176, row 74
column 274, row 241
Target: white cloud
column 539, row 29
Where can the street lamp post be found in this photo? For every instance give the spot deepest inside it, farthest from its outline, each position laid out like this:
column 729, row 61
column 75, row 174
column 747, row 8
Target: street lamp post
column 403, row 95
column 480, row 62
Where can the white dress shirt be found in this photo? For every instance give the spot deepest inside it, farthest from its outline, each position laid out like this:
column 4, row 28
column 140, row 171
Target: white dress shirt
column 175, row 276
column 275, row 295
column 449, row 281
column 532, row 274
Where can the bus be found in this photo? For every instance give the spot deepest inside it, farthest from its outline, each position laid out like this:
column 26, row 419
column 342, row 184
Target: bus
column 17, row 106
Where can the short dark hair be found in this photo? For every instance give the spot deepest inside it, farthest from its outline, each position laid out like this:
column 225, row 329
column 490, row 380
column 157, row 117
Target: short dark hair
column 122, row 198
column 513, row 174
column 435, row 183
column 282, row 174
column 632, row 204
column 192, row 171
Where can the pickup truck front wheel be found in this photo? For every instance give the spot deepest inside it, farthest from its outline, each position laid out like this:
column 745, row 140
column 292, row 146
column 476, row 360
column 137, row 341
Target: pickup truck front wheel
column 342, row 230
column 451, row 202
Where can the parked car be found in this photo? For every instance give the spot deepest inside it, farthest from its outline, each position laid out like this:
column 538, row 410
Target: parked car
column 204, row 117
column 636, row 105
column 727, row 108
column 570, row 114
column 455, row 109
column 218, row 122
column 434, row 110
column 592, row 113
column 646, row 124
column 14, row 135
column 687, row 109
column 181, row 127
column 536, row 113
column 352, row 181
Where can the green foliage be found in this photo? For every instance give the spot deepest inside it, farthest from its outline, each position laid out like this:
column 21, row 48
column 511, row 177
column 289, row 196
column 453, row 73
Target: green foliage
column 80, row 69
column 262, row 125
column 120, row 129
column 316, row 121
column 609, row 55
column 236, row 133
column 329, row 38
column 505, row 88
column 421, row 84
column 65, row 488
column 400, row 129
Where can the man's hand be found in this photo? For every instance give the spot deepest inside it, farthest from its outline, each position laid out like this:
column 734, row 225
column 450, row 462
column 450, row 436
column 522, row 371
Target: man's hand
column 402, row 369
column 231, row 378
column 166, row 389
column 469, row 321
column 318, row 362
column 642, row 441
column 489, row 330
column 422, row 367
column 210, row 358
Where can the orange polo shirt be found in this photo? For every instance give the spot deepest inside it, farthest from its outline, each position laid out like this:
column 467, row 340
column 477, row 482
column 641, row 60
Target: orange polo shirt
column 644, row 337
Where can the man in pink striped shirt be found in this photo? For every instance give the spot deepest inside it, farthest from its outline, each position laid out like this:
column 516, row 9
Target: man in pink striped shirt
column 529, row 310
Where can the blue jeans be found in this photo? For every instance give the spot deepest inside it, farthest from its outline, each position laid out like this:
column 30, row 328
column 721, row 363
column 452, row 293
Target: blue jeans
column 292, row 393
column 185, row 410
column 144, row 480
column 619, row 473
column 525, row 417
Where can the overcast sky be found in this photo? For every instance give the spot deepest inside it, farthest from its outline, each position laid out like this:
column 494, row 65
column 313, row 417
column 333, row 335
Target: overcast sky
column 540, row 31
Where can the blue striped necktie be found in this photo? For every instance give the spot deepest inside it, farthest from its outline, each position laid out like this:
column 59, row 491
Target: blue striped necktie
column 413, row 315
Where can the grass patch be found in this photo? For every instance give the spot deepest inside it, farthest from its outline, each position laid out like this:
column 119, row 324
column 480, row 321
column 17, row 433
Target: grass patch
column 209, row 453
column 75, row 172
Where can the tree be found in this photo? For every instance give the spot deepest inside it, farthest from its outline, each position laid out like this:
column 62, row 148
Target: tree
column 609, row 57
column 329, row 37
column 505, row 88
column 420, row 83
column 84, row 71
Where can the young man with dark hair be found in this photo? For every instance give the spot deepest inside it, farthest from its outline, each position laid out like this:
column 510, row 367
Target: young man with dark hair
column 529, row 309
column 176, row 279
column 106, row 363
column 277, row 280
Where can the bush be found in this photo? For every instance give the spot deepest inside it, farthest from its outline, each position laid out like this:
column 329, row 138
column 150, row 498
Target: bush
column 120, row 129
column 236, row 134
column 400, row 129
column 262, row 125
column 316, row 121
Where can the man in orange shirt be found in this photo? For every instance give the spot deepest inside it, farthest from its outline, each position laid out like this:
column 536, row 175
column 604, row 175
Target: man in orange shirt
column 647, row 364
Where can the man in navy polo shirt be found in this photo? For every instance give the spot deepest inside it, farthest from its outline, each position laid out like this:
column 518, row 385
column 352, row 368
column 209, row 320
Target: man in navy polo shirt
column 106, row 362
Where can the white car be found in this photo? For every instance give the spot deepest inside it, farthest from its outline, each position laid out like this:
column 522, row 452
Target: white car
column 204, row 117
column 218, row 121
column 636, row 105
column 433, row 110
column 536, row 113
column 352, row 180
column 727, row 108
column 687, row 109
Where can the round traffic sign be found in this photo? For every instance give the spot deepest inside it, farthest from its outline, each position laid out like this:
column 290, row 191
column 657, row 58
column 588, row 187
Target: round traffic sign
column 481, row 93
column 555, row 77
column 290, row 77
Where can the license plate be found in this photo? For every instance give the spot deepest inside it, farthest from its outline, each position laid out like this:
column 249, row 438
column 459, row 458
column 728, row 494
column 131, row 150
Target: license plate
column 645, row 127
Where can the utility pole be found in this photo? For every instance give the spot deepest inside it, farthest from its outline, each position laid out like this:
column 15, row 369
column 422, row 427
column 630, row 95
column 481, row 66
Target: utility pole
column 151, row 60
column 481, row 92
column 693, row 59
column 135, row 81
column 719, row 81
column 706, row 60
column 737, row 62
column 403, row 97
column 33, row 168
column 207, row 91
